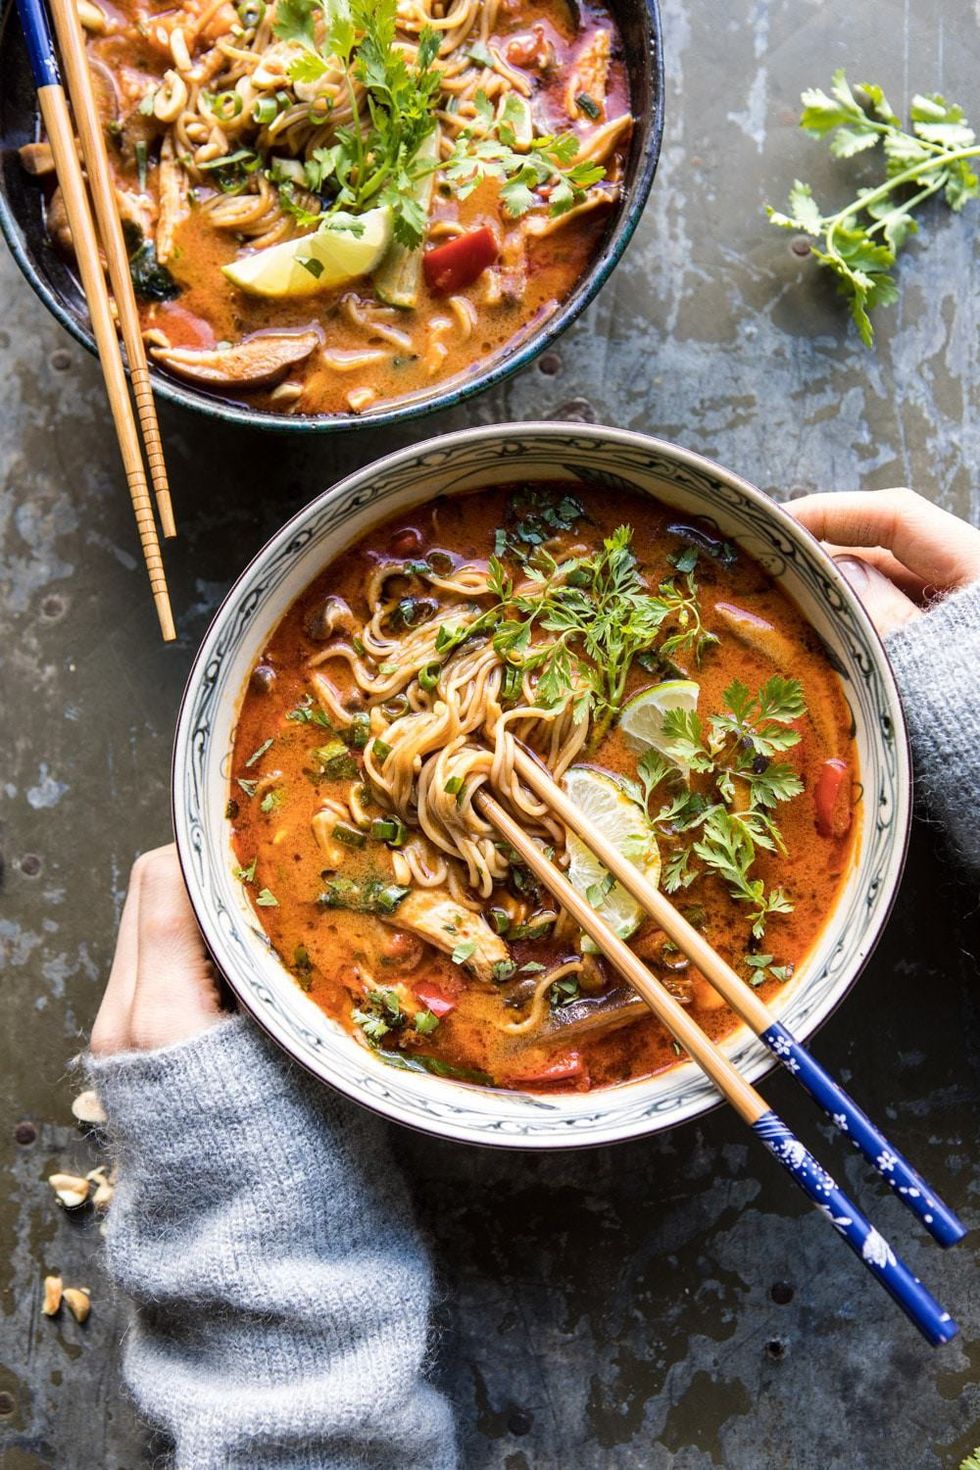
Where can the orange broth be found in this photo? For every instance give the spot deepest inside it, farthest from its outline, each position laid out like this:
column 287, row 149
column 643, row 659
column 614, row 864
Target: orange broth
column 342, row 946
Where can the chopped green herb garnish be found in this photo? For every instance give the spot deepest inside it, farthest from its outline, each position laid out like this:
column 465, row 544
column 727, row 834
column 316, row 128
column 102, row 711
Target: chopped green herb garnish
column 249, row 787
column 348, row 835
column 464, row 950
column 307, row 712
column 425, row 1022
column 267, row 900
column 245, row 875
column 503, row 970
column 271, row 800
column 373, row 897
column 335, row 761
column 260, row 752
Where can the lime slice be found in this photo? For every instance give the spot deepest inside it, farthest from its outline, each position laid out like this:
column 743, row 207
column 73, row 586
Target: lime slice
column 605, row 804
column 344, row 247
column 642, row 717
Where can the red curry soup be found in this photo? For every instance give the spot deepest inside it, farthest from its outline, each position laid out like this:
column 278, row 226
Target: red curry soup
column 332, row 207
column 679, row 695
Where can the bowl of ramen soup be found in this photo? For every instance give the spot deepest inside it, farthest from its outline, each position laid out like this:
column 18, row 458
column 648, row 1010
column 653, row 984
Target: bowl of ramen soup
column 348, row 212
column 683, row 658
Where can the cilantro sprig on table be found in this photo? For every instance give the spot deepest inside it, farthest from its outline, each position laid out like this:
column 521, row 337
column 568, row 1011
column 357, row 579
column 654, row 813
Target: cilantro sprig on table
column 733, row 819
column 860, row 242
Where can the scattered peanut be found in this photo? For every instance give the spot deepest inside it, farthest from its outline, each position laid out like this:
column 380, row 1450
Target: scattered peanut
column 104, row 1187
column 87, row 1108
column 78, row 1301
column 71, row 1189
column 53, row 1290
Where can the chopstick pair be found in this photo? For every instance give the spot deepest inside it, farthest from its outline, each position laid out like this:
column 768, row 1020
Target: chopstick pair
column 57, row 121
column 921, row 1307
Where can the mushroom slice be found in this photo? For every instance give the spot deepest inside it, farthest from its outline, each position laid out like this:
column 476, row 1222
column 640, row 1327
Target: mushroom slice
column 253, row 363
column 759, row 634
column 593, row 1014
column 434, row 915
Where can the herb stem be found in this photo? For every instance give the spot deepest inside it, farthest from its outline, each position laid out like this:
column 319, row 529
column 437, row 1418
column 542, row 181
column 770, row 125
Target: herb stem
column 926, row 165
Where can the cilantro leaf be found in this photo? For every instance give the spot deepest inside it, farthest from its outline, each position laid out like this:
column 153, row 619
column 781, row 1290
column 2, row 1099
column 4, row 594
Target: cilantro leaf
column 859, row 243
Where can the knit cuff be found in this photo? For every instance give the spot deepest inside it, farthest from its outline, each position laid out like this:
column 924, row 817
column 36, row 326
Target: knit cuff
column 936, row 659
column 229, row 1081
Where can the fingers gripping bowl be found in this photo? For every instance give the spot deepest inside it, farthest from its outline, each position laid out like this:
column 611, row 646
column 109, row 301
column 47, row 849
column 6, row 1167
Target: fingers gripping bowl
column 606, row 473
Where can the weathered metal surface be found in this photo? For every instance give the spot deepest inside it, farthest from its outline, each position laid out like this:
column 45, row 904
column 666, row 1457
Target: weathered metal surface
column 668, row 1304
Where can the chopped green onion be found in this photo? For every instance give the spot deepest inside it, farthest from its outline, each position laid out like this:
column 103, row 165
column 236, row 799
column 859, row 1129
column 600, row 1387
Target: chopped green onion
column 588, row 105
column 389, row 829
column 499, row 920
column 453, row 786
column 359, row 731
column 512, row 682
column 503, row 970
column 440, row 562
column 380, row 750
column 226, row 106
column 335, row 761
column 348, row 835
column 250, row 13
column 429, row 677
column 425, row 1022
column 141, row 162
column 265, row 110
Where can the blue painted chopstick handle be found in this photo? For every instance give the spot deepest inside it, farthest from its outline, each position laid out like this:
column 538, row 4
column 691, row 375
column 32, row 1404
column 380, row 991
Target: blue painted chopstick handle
column 40, row 45
column 938, row 1219
column 935, row 1324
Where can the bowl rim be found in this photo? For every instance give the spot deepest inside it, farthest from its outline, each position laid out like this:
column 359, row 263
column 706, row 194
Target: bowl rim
column 690, row 459
column 534, row 341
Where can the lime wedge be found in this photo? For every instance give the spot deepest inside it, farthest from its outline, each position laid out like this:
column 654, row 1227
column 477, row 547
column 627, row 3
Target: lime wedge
column 605, row 804
column 344, row 247
column 642, row 717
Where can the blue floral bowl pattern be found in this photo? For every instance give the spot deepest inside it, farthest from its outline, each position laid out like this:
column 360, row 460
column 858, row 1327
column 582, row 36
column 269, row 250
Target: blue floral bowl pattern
column 498, row 454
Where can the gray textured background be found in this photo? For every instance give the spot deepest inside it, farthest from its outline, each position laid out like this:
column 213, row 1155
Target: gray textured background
column 668, row 1304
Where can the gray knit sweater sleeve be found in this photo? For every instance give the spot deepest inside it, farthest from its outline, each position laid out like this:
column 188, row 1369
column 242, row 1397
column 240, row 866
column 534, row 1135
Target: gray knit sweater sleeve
column 282, row 1291
column 937, row 664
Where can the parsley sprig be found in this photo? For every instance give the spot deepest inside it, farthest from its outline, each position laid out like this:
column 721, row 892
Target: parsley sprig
column 375, row 158
column 733, row 816
column 602, row 614
column 860, row 242
column 488, row 149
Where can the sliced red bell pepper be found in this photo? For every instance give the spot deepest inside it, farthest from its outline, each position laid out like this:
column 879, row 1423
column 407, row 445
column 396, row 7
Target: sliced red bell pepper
column 438, row 1002
column 832, row 798
column 457, row 264
column 570, row 1066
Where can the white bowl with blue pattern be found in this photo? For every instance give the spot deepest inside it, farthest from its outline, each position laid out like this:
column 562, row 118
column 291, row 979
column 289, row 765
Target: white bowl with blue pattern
column 493, row 455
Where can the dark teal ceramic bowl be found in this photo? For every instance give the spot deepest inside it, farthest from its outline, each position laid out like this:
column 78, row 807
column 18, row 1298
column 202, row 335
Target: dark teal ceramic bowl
column 23, row 225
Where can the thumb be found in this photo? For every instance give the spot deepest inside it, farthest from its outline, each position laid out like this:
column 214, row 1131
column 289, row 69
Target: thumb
column 886, row 606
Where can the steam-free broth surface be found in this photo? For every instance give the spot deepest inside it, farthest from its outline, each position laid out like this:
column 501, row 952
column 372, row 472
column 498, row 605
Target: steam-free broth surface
column 529, row 1006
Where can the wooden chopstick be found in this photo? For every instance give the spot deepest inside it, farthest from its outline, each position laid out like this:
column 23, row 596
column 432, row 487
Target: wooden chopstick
column 61, row 136
column 71, row 42
column 893, row 1167
column 920, row 1306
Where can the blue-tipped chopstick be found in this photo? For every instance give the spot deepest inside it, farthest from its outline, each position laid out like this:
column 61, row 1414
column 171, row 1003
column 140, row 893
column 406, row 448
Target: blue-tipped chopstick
column 61, row 137
column 868, row 1244
column 891, row 1165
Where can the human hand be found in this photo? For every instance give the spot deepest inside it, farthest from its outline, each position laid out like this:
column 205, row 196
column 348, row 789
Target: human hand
column 897, row 549
column 162, row 986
